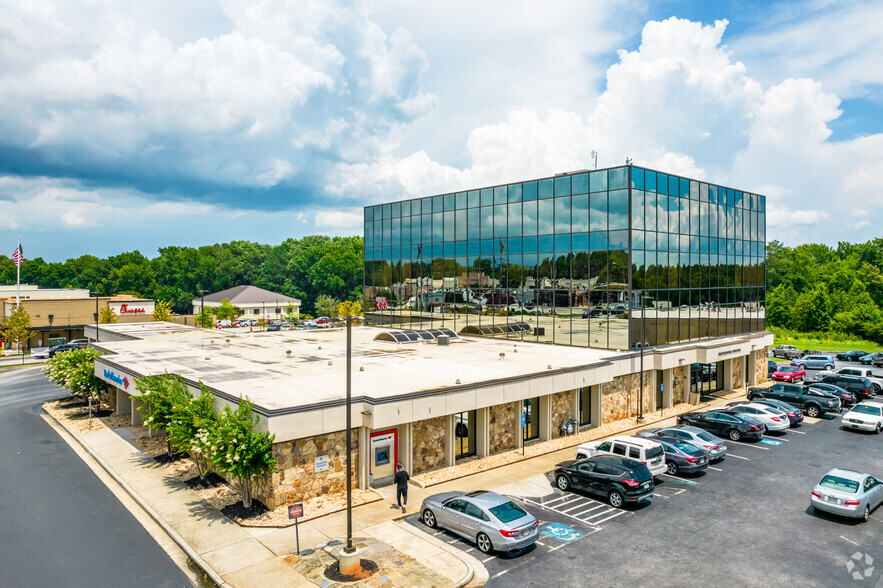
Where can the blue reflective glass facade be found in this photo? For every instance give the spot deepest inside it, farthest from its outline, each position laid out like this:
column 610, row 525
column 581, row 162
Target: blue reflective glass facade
column 569, row 260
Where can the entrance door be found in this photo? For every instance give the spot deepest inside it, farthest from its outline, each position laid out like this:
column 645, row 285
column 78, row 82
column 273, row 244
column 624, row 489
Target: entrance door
column 660, row 390
column 384, row 456
column 464, row 434
column 530, row 418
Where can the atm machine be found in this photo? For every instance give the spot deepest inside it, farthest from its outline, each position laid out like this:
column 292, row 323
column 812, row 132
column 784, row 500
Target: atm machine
column 384, row 455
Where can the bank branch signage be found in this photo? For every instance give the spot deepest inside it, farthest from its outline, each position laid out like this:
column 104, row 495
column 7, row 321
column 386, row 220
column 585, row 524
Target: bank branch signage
column 116, row 378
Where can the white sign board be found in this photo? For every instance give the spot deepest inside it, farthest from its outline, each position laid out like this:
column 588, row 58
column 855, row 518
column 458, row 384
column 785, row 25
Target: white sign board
column 321, row 464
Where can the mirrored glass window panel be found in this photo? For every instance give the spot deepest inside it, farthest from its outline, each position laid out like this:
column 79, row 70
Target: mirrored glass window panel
column 500, row 220
column 619, row 209
column 545, row 189
column 580, row 213
column 473, row 200
column 580, row 183
column 487, row 197
column 529, row 191
column 562, row 186
column 598, row 181
column 438, row 227
column 598, row 211
column 460, row 233
column 514, row 219
column 562, row 214
column 617, row 178
column 546, row 215
column 487, row 221
column 449, row 232
column 514, row 193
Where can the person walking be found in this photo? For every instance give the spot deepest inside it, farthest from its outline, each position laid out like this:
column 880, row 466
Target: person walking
column 401, row 480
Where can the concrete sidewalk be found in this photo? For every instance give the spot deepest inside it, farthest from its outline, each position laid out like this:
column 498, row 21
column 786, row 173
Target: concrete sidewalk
column 244, row 557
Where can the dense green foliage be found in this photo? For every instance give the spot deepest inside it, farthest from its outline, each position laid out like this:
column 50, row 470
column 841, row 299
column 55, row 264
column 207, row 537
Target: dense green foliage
column 75, row 370
column 15, row 329
column 301, row 268
column 829, row 290
column 190, row 428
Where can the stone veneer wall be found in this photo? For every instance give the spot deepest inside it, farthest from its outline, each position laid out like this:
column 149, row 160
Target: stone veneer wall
column 560, row 409
column 760, row 367
column 619, row 398
column 296, row 480
column 679, row 390
column 738, row 373
column 502, row 427
column 429, row 444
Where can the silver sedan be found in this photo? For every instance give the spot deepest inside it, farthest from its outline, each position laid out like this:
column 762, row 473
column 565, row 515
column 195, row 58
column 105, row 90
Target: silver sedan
column 847, row 493
column 713, row 445
column 491, row 520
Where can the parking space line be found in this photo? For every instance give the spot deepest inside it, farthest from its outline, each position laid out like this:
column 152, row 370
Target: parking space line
column 850, row 541
column 498, row 574
column 811, row 420
column 600, row 514
column 492, row 557
column 798, row 432
column 754, row 446
column 600, row 505
column 580, row 504
column 565, row 497
column 776, row 438
column 538, row 543
column 551, row 508
column 613, row 516
column 715, row 469
column 738, row 457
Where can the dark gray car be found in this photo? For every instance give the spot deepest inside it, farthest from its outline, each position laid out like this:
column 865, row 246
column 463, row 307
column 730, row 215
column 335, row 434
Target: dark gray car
column 714, row 446
column 491, row 520
column 681, row 456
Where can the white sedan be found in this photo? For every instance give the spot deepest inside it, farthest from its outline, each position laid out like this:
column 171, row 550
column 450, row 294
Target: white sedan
column 864, row 416
column 773, row 418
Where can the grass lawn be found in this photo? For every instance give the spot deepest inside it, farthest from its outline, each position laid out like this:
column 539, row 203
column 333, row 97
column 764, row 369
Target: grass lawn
column 829, row 345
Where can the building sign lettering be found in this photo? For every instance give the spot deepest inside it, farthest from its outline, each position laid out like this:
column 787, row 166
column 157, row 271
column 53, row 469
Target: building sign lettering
column 125, row 309
column 380, row 303
column 321, row 463
column 116, row 378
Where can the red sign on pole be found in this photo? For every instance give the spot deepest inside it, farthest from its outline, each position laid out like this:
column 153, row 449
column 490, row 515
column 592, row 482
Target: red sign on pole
column 380, row 303
column 295, row 511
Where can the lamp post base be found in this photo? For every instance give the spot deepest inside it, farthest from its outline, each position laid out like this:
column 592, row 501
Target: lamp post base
column 350, row 563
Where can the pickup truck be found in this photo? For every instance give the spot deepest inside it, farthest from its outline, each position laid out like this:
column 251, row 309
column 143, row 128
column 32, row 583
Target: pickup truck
column 861, row 372
column 786, row 352
column 814, row 403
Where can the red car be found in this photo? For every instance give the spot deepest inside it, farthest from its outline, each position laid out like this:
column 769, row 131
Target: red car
column 789, row 373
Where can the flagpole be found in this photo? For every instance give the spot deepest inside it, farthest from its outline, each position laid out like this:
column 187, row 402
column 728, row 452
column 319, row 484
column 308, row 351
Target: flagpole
column 18, row 278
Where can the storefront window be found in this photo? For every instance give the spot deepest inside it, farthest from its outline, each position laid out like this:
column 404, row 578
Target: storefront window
column 464, row 434
column 530, row 411
column 585, row 405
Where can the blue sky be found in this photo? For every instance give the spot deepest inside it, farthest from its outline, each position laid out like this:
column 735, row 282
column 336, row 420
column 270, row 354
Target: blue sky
column 129, row 125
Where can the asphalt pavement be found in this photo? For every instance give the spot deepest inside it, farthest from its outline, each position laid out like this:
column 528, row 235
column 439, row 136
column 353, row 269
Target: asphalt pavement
column 747, row 521
column 59, row 524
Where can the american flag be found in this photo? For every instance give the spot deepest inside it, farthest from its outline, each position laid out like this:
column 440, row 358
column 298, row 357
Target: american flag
column 18, row 257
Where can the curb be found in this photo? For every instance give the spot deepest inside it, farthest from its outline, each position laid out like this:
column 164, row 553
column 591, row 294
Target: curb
column 470, row 562
column 191, row 553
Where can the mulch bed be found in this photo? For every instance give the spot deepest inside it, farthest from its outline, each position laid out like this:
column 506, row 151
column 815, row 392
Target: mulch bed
column 237, row 511
column 212, row 480
column 332, row 572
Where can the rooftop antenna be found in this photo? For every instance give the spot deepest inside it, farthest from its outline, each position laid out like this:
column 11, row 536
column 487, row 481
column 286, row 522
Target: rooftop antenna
column 628, row 161
column 595, row 157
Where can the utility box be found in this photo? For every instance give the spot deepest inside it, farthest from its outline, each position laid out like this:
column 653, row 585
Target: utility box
column 443, row 340
column 539, row 331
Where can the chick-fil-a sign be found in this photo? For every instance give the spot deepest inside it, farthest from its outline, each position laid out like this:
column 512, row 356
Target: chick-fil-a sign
column 124, row 309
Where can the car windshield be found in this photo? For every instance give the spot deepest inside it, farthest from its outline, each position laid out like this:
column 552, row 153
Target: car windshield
column 838, row 483
column 508, row 512
column 705, row 436
column 654, row 452
column 867, row 410
column 788, row 369
column 686, row 447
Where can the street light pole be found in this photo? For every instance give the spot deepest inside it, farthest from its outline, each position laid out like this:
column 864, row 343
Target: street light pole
column 96, row 317
column 349, row 562
column 643, row 339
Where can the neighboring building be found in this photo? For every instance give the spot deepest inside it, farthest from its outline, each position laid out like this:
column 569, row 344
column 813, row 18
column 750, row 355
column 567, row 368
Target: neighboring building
column 56, row 316
column 254, row 302
column 417, row 399
column 30, row 291
column 568, row 260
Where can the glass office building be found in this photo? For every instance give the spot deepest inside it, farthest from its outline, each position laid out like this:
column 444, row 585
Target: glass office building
column 606, row 258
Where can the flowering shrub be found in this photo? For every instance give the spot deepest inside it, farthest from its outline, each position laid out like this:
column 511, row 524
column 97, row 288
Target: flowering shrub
column 75, row 370
column 160, row 395
column 240, row 451
column 190, row 425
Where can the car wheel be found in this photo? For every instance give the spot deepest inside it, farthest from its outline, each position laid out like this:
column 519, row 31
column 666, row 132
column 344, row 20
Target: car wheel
column 867, row 514
column 429, row 518
column 616, row 498
column 812, row 411
column 672, row 468
column 875, row 389
column 484, row 543
column 563, row 482
column 877, row 429
column 829, row 367
column 734, row 434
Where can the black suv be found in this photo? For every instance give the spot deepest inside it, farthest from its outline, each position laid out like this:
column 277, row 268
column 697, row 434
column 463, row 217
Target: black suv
column 855, row 385
column 620, row 479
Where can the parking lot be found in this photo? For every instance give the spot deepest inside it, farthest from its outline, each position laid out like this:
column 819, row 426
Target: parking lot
column 746, row 521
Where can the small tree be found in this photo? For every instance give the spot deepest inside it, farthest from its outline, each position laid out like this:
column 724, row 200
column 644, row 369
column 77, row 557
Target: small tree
column 190, row 427
column 226, row 311
column 262, row 323
column 326, row 305
column 16, row 328
column 162, row 311
column 240, row 451
column 107, row 316
column 75, row 370
column 161, row 396
column 348, row 308
column 291, row 312
column 206, row 318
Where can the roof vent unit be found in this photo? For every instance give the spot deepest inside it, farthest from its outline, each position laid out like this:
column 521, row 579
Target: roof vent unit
column 443, row 340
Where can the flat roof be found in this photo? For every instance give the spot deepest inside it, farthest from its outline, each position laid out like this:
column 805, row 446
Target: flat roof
column 256, row 365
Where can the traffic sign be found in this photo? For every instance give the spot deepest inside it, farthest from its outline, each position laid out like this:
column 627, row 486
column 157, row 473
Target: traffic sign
column 295, row 511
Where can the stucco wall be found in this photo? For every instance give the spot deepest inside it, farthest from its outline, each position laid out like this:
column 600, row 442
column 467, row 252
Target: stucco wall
column 760, row 366
column 738, row 373
column 297, row 481
column 502, row 427
column 560, row 405
column 619, row 398
column 429, row 444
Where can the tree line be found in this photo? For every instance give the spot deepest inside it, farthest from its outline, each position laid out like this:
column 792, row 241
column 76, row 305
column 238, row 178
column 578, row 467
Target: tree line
column 301, row 268
column 817, row 288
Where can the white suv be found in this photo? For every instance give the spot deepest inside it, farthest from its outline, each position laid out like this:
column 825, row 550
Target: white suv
column 865, row 416
column 648, row 452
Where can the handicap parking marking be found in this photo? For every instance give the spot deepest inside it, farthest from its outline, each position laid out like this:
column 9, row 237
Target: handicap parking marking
column 561, row 532
column 770, row 442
